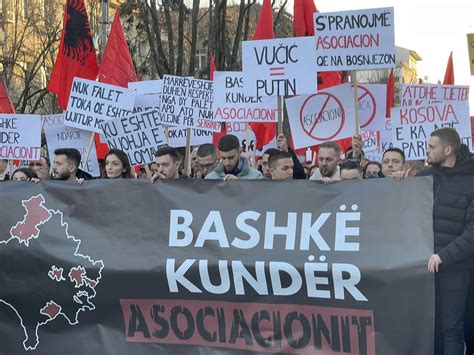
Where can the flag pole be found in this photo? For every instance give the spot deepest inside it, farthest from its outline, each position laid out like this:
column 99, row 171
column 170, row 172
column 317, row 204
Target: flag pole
column 89, row 147
column 356, row 101
column 280, row 116
column 247, row 140
column 187, row 157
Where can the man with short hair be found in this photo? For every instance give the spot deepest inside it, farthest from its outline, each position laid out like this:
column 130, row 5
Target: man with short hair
column 393, row 160
column 168, row 162
column 265, row 157
column 194, row 163
column 298, row 170
column 3, row 170
column 66, row 164
column 452, row 168
column 328, row 160
column 41, row 168
column 281, row 166
column 351, row 170
column 206, row 159
column 233, row 165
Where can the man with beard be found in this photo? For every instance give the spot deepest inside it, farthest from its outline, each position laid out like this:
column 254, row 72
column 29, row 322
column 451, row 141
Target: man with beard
column 41, row 168
column 66, row 164
column 168, row 162
column 233, row 166
column 452, row 168
column 328, row 160
column 206, row 160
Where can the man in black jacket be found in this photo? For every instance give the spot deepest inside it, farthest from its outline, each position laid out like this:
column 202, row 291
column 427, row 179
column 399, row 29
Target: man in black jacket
column 452, row 168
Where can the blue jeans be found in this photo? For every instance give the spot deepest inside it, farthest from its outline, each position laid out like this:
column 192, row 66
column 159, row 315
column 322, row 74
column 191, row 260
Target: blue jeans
column 451, row 294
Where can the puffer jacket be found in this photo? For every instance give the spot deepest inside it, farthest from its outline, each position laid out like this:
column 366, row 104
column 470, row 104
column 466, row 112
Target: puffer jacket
column 453, row 211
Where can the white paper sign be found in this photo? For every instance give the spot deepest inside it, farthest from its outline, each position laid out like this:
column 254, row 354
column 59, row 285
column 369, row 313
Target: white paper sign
column 328, row 115
column 139, row 135
column 412, row 125
column 92, row 103
column 147, row 86
column 370, row 141
column 20, row 136
column 355, row 40
column 60, row 136
column 372, row 99
column 187, row 103
column 177, row 136
column 422, row 94
column 232, row 105
column 279, row 67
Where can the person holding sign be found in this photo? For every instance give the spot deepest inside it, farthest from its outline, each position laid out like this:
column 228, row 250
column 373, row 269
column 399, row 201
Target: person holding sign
column 452, row 168
column 117, row 165
column 167, row 162
column 233, row 166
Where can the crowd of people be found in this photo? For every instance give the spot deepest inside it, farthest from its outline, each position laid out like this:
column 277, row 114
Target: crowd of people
column 448, row 161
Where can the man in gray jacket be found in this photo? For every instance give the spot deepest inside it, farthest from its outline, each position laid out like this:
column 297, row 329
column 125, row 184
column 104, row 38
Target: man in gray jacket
column 233, row 166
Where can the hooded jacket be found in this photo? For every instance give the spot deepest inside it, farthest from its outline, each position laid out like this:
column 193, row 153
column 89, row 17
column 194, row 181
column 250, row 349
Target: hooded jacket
column 453, row 211
column 246, row 173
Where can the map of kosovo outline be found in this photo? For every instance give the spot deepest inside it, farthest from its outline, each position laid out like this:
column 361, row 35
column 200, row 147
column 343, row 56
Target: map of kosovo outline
column 24, row 232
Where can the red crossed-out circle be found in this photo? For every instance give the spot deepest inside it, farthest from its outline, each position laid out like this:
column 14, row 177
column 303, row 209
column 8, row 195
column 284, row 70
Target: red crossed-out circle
column 371, row 98
column 329, row 97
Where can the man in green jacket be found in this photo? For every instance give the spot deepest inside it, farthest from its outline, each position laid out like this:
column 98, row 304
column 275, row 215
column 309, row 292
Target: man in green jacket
column 232, row 166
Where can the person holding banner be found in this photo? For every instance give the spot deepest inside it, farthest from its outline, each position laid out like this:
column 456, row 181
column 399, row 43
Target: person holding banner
column 117, row 165
column 328, row 162
column 265, row 157
column 393, row 160
column 168, row 162
column 206, row 160
column 233, row 166
column 452, row 168
column 41, row 167
column 24, row 174
column 281, row 166
column 350, row 170
column 3, row 170
column 298, row 170
column 66, row 165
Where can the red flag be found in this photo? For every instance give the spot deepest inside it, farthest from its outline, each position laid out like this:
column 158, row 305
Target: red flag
column 6, row 105
column 390, row 94
column 264, row 132
column 116, row 67
column 76, row 55
column 216, row 135
column 449, row 75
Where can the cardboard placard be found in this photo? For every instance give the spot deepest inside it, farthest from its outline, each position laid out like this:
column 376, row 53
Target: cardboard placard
column 355, row 40
column 279, row 67
column 92, row 103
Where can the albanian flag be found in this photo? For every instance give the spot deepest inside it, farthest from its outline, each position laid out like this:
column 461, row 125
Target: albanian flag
column 76, row 55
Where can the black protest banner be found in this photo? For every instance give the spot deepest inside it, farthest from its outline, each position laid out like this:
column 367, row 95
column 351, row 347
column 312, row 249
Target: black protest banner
column 192, row 267
column 139, row 135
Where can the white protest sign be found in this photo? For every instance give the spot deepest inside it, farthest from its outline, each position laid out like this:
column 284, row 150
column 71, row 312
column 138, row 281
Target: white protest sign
column 60, row 136
column 147, row 86
column 148, row 95
column 238, row 129
column 187, row 102
column 326, row 116
column 279, row 67
column 177, row 137
column 139, row 135
column 418, row 94
column 412, row 125
column 370, row 141
column 355, row 40
column 92, row 103
column 20, row 136
column 232, row 105
column 371, row 102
